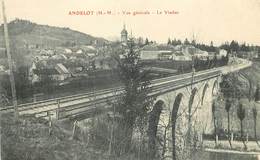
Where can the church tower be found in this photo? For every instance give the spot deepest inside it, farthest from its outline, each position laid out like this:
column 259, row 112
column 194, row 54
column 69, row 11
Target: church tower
column 124, row 35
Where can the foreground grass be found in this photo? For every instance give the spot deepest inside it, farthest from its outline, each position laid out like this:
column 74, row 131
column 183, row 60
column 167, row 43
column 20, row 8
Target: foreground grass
column 236, row 145
column 29, row 139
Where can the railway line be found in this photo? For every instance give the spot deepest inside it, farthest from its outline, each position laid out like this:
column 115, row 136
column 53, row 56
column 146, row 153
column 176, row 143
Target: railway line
column 75, row 105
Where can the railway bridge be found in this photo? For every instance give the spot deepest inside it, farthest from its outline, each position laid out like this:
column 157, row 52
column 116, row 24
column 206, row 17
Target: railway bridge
column 182, row 105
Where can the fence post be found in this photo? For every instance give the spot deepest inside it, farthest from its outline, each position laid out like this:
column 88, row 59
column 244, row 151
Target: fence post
column 74, row 129
column 216, row 139
column 232, row 137
column 50, row 122
column 58, row 110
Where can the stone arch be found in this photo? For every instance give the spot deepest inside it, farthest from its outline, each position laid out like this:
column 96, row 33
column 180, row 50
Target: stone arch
column 191, row 123
column 154, row 118
column 204, row 92
column 175, row 110
column 204, row 114
column 191, row 102
column 215, row 88
column 210, row 124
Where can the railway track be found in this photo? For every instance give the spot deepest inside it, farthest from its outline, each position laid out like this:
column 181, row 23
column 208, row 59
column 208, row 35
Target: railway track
column 82, row 103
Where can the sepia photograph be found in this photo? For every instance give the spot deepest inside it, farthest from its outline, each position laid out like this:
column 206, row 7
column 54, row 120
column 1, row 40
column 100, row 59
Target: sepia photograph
column 130, row 80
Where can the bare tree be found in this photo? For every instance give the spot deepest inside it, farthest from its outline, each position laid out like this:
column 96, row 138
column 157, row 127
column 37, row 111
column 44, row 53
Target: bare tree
column 241, row 113
column 214, row 121
column 254, row 110
column 227, row 108
column 256, row 98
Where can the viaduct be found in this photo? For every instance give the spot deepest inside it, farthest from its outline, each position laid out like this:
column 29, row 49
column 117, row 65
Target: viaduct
column 182, row 105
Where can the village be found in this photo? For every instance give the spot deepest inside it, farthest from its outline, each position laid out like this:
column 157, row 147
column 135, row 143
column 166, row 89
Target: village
column 72, row 64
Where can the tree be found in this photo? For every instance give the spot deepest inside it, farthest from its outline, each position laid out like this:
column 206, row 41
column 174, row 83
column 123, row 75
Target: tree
column 225, row 46
column 241, row 113
column 257, row 94
column 256, row 98
column 254, row 110
column 193, row 42
column 231, row 86
column 47, row 83
column 134, row 103
column 140, row 41
column 22, row 83
column 178, row 42
column 234, row 46
column 93, row 65
column 146, row 41
column 214, row 120
column 212, row 48
column 226, row 59
column 227, row 108
column 244, row 47
column 169, row 41
column 174, row 42
column 215, row 60
column 186, row 41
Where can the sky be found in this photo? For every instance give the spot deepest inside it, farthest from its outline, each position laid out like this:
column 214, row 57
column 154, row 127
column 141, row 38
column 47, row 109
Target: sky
column 204, row 20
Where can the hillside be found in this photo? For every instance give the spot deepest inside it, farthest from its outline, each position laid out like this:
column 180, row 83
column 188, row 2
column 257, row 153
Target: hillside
column 25, row 32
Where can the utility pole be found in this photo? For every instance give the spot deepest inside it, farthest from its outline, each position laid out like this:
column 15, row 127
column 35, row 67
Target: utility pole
column 10, row 63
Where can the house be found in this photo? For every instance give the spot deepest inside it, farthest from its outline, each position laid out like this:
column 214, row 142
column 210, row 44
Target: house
column 63, row 72
column 38, row 72
column 222, row 52
column 41, row 57
column 46, row 52
column 59, row 57
column 79, row 51
column 153, row 52
column 212, row 55
column 90, row 54
column 164, row 52
column 248, row 55
column 191, row 51
column 203, row 55
column 64, row 56
column 62, row 50
column 179, row 56
column 67, row 51
column 84, row 49
column 149, row 55
column 88, row 48
column 165, row 55
column 76, row 65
